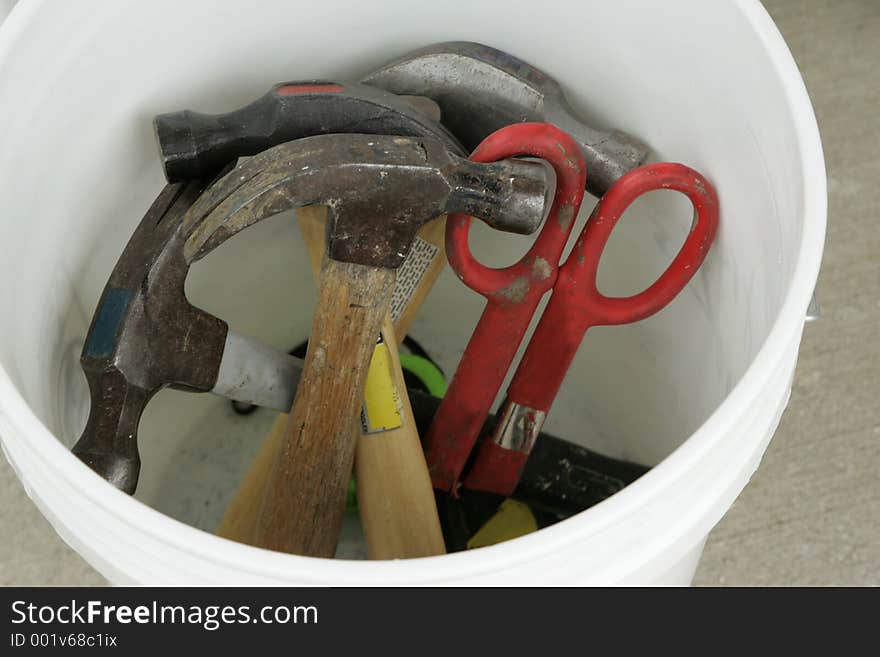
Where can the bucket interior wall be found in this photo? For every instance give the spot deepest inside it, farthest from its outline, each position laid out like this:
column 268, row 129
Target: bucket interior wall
column 79, row 179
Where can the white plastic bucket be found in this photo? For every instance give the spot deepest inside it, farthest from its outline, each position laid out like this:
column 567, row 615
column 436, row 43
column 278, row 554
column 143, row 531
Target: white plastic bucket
column 5, row 8
column 697, row 390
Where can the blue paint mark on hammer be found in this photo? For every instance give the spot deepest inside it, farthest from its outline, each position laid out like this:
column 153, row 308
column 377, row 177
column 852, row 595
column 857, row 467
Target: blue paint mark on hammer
column 107, row 320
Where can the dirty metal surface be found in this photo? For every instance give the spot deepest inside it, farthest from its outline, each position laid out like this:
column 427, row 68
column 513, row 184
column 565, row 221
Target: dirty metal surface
column 480, row 89
column 379, row 190
column 144, row 336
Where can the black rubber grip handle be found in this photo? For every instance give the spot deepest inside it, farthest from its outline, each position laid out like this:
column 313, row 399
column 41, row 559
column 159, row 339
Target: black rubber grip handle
column 195, row 145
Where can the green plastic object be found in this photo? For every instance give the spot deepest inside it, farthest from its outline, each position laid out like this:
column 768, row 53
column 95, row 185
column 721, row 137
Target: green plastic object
column 426, row 371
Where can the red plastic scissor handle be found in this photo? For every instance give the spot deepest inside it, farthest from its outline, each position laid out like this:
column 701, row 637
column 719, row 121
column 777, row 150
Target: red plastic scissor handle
column 577, row 278
column 555, row 146
column 577, row 304
column 513, row 294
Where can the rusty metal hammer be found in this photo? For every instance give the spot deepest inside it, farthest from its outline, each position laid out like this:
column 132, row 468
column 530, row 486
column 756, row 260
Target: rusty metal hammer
column 396, row 501
column 480, row 89
column 145, row 336
column 379, row 190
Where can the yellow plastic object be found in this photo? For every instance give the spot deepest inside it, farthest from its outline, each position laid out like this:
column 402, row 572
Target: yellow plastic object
column 381, row 410
column 511, row 520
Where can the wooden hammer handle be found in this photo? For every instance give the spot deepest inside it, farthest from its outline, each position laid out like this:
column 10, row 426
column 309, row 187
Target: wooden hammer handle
column 239, row 520
column 395, row 496
column 304, row 499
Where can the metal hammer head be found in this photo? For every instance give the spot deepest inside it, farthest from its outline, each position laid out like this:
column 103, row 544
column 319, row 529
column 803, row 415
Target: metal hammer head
column 480, row 89
column 144, row 336
column 379, row 191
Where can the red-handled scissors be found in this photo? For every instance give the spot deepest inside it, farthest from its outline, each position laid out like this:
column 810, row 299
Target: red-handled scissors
column 575, row 306
column 513, row 295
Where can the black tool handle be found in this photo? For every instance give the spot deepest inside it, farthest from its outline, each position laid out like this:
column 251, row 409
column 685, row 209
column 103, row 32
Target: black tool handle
column 195, row 145
column 559, row 475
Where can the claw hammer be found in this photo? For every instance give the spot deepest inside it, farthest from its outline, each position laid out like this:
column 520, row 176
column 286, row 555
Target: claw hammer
column 379, row 190
column 396, row 501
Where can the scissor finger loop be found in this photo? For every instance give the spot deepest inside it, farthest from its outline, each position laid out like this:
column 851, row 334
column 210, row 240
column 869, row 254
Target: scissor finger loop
column 536, row 271
column 577, row 277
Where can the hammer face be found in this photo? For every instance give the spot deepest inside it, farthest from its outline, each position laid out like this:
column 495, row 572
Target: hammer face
column 511, row 195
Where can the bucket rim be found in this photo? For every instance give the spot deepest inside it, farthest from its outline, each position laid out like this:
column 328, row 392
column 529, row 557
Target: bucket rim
column 42, row 448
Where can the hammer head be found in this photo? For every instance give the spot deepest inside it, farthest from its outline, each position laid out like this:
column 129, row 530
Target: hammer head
column 480, row 89
column 194, row 145
column 379, row 191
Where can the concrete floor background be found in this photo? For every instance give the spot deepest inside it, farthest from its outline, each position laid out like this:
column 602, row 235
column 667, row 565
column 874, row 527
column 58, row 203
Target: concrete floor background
column 811, row 514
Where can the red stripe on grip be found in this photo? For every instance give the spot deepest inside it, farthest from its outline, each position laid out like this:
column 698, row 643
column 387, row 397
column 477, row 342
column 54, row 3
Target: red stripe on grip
column 300, row 89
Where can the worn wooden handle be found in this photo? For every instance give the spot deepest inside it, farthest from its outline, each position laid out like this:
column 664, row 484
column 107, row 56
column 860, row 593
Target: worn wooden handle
column 304, row 501
column 395, row 496
column 239, row 520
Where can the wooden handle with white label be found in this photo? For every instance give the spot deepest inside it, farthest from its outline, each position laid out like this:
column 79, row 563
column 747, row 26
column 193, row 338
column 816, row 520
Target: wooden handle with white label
column 395, row 497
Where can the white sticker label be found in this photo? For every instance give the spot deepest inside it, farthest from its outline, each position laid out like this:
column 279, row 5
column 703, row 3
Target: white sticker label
column 420, row 257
